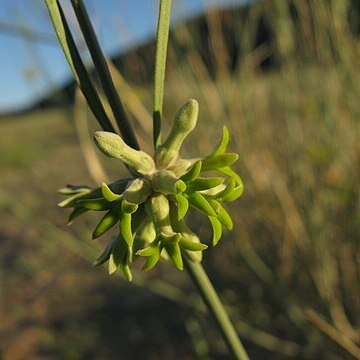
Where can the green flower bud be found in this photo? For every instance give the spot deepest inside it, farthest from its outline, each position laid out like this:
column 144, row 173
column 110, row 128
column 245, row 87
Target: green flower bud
column 75, row 213
column 181, row 166
column 74, row 189
column 108, row 194
column 201, row 184
column 125, row 228
column 219, row 161
column 98, row 204
column 138, row 191
column 174, row 252
column 184, row 122
column 158, row 209
column 165, row 182
column 222, row 146
column 182, row 205
column 153, row 252
column 120, row 257
column 106, row 222
column 217, row 229
column 114, row 146
column 199, row 202
column 193, row 172
column 145, row 233
column 106, row 253
column 189, row 242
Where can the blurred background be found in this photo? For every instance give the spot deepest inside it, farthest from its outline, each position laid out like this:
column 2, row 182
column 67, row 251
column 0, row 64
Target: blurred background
column 284, row 76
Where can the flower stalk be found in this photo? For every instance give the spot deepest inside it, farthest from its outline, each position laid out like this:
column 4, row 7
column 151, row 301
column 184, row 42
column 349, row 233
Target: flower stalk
column 216, row 309
column 160, row 64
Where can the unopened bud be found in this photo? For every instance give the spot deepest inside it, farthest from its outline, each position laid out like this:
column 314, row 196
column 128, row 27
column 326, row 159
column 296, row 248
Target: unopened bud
column 138, row 191
column 114, row 146
column 184, row 122
column 158, row 209
column 165, row 182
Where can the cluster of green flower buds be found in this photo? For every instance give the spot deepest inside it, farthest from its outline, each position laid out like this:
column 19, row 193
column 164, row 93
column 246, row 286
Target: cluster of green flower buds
column 150, row 208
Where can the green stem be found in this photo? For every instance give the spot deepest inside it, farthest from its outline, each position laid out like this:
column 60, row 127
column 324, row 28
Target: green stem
column 104, row 74
column 160, row 64
column 76, row 64
column 216, row 308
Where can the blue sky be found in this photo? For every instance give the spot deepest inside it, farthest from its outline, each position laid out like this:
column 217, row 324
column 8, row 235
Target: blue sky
column 31, row 67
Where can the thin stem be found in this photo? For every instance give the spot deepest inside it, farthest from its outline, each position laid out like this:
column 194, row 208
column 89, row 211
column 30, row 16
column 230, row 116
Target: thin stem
column 104, row 74
column 332, row 332
column 160, row 64
column 76, row 64
column 216, row 308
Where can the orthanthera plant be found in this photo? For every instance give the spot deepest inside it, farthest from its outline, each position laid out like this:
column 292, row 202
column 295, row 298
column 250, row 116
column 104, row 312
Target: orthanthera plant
column 150, row 207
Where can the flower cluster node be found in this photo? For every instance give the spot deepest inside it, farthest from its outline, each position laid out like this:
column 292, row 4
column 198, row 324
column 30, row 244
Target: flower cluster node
column 150, row 208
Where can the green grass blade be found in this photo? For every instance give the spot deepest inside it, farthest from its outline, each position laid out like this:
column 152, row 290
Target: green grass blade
column 104, row 74
column 76, row 64
column 160, row 64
